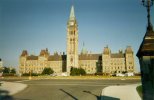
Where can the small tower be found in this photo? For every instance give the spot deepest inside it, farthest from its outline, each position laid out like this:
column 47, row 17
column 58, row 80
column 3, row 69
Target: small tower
column 23, row 56
column 43, row 58
column 72, row 41
column 129, row 59
column 44, row 54
column 106, row 60
column 22, row 61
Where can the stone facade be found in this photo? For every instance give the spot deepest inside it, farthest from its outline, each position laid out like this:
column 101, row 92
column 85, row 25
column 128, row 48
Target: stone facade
column 36, row 64
column 117, row 62
column 105, row 62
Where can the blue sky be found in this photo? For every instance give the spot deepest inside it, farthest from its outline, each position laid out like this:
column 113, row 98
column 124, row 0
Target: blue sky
column 38, row 24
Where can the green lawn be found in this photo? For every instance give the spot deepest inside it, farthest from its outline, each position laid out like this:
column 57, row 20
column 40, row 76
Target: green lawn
column 139, row 90
column 73, row 77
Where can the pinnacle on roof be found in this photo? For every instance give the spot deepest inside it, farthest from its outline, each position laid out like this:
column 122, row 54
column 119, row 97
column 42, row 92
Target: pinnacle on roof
column 72, row 14
column 24, row 53
column 44, row 52
column 129, row 49
column 84, row 51
column 106, row 50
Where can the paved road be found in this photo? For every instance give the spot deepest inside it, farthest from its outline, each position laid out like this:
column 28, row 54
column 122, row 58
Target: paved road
column 67, row 89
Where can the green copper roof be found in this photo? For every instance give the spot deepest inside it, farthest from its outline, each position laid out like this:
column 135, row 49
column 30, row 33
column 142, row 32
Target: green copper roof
column 72, row 14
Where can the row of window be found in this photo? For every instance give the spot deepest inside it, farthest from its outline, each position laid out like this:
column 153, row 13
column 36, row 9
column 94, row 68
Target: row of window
column 130, row 67
column 90, row 65
column 71, row 40
column 72, row 32
column 38, row 69
column 89, row 69
column 117, row 63
column 114, row 68
column 41, row 64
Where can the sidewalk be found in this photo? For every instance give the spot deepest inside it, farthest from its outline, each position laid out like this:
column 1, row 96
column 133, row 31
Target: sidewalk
column 126, row 92
column 12, row 87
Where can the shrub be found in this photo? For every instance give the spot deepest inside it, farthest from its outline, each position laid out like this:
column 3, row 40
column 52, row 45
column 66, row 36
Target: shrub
column 139, row 90
column 99, row 73
column 82, row 71
column 77, row 71
column 47, row 71
column 8, row 74
column 32, row 74
column 6, row 70
column 26, row 74
column 13, row 71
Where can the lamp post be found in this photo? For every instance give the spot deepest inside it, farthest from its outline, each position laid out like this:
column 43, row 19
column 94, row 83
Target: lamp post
column 145, row 55
column 148, row 4
column 30, row 76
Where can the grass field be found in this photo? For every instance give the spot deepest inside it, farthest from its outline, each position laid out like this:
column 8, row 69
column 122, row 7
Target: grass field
column 73, row 77
column 139, row 90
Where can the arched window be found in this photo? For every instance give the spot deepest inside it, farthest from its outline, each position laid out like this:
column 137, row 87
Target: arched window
column 71, row 59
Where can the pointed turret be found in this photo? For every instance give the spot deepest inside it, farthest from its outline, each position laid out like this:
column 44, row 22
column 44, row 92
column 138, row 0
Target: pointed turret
column 106, row 50
column 129, row 50
column 24, row 53
column 72, row 14
column 84, row 51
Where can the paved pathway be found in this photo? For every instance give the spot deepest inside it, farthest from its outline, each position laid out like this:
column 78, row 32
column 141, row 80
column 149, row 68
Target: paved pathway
column 68, row 89
column 126, row 92
column 11, row 87
column 64, row 89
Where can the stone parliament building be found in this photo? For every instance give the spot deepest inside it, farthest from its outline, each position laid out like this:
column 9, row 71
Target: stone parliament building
column 105, row 62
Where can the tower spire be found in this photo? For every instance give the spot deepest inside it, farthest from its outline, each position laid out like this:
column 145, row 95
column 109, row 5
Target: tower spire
column 72, row 41
column 72, row 14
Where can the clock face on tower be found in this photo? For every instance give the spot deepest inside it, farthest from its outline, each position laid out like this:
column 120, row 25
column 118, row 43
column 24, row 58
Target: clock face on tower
column 71, row 23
